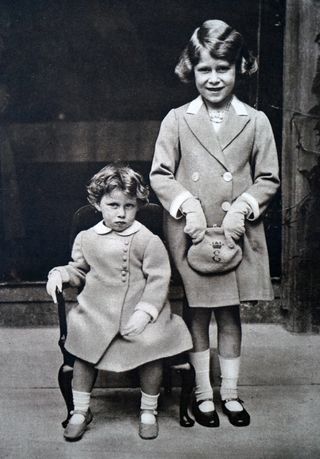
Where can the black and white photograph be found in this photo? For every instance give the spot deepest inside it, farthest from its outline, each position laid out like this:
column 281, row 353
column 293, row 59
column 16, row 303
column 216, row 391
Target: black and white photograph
column 159, row 229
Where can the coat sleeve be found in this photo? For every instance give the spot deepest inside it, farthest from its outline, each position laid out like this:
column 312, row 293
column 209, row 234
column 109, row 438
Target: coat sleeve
column 264, row 166
column 75, row 271
column 156, row 268
column 165, row 161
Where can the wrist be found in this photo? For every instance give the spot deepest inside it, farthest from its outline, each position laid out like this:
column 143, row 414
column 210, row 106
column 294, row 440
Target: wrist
column 190, row 205
column 149, row 309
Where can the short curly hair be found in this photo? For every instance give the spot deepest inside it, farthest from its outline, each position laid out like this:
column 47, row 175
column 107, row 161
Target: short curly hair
column 222, row 42
column 115, row 177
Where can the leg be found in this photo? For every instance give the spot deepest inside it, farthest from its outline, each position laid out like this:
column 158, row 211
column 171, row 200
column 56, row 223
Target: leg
column 229, row 331
column 150, row 382
column 200, row 356
column 204, row 410
column 229, row 350
column 84, row 375
column 199, row 328
column 151, row 377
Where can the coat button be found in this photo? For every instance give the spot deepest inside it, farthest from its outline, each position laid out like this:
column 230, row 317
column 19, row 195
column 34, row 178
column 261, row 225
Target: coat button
column 227, row 177
column 125, row 249
column 226, row 206
column 195, row 176
column 126, row 242
column 124, row 258
column 123, row 273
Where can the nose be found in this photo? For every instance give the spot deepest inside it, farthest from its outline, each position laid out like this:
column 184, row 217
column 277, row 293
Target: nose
column 121, row 212
column 214, row 77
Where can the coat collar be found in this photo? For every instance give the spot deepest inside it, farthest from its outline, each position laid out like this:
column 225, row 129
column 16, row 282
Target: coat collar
column 198, row 121
column 101, row 228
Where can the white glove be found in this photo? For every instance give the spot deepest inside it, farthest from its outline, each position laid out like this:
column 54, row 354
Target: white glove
column 233, row 222
column 136, row 323
column 196, row 223
column 54, row 283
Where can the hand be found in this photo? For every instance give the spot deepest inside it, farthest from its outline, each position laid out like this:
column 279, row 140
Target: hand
column 136, row 324
column 54, row 283
column 196, row 223
column 234, row 221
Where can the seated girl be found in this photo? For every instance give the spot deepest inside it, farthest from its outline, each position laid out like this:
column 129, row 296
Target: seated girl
column 123, row 318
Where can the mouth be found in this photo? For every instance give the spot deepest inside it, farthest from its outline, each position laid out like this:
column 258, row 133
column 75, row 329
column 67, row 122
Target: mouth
column 215, row 90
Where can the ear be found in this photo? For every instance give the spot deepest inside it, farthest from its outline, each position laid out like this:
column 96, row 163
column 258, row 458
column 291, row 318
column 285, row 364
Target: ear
column 97, row 206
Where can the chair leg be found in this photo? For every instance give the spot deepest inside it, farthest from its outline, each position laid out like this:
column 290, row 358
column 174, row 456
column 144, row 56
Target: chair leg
column 187, row 384
column 167, row 379
column 65, row 383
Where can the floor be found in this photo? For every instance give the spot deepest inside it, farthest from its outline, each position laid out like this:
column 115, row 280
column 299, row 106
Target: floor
column 280, row 380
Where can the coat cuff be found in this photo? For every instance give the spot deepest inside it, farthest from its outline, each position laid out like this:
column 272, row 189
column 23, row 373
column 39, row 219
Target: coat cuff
column 63, row 273
column 149, row 309
column 176, row 203
column 253, row 203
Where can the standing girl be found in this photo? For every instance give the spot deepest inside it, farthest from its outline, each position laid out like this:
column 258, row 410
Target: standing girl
column 215, row 163
column 123, row 319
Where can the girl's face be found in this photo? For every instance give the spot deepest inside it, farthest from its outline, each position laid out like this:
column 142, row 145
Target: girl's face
column 118, row 210
column 214, row 79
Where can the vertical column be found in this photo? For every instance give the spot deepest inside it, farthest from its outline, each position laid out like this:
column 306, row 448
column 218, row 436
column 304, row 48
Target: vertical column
column 301, row 167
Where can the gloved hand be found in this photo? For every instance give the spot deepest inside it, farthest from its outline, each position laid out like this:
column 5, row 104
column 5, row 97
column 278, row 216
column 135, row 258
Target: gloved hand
column 196, row 223
column 54, row 283
column 233, row 222
column 137, row 323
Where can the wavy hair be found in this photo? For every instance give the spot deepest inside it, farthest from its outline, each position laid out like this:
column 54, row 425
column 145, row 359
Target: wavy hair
column 222, row 42
column 114, row 177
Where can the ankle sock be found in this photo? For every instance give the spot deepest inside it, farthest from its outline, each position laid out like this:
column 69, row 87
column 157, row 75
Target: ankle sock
column 149, row 405
column 230, row 369
column 203, row 389
column 81, row 402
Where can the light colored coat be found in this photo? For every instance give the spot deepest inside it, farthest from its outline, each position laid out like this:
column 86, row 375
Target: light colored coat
column 120, row 273
column 191, row 159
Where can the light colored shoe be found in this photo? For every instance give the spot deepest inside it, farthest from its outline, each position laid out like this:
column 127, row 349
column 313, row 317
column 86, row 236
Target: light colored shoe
column 74, row 432
column 148, row 431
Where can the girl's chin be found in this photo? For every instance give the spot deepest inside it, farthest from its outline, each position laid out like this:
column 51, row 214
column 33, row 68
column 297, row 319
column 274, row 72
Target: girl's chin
column 119, row 227
column 217, row 100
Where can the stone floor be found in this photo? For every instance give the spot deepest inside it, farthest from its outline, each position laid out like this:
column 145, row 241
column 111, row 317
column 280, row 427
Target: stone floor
column 279, row 382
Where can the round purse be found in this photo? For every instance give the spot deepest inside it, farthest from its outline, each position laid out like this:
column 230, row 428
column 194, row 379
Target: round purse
column 213, row 255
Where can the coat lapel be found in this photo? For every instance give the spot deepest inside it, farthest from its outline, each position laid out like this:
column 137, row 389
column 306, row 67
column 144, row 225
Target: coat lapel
column 198, row 121
column 234, row 124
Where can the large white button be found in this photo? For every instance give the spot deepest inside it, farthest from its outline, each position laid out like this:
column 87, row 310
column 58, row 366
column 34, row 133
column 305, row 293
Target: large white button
column 227, row 177
column 226, row 206
column 195, row 176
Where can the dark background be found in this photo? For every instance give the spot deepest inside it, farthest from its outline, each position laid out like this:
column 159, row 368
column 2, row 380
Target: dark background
column 83, row 83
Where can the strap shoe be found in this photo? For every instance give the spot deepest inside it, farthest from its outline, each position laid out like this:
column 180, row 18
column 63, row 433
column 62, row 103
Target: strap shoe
column 236, row 418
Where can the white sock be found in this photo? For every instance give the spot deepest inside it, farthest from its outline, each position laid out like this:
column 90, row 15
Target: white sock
column 203, row 390
column 149, row 403
column 81, row 402
column 230, row 369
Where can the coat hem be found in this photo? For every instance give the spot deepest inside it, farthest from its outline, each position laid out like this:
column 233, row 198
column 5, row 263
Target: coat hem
column 137, row 365
column 233, row 302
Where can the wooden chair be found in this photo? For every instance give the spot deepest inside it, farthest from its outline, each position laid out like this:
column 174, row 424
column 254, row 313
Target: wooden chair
column 151, row 216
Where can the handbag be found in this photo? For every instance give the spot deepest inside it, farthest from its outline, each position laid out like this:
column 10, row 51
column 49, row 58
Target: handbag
column 213, row 255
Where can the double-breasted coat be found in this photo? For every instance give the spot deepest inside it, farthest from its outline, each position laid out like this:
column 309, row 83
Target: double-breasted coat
column 121, row 273
column 191, row 159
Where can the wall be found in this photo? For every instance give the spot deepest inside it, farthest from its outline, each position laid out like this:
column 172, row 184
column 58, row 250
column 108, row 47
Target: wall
column 300, row 170
column 83, row 83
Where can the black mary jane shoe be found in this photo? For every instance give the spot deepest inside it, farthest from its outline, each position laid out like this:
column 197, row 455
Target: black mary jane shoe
column 206, row 419
column 236, row 418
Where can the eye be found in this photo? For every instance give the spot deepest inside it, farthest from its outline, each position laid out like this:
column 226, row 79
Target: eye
column 203, row 69
column 130, row 206
column 113, row 205
column 223, row 68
